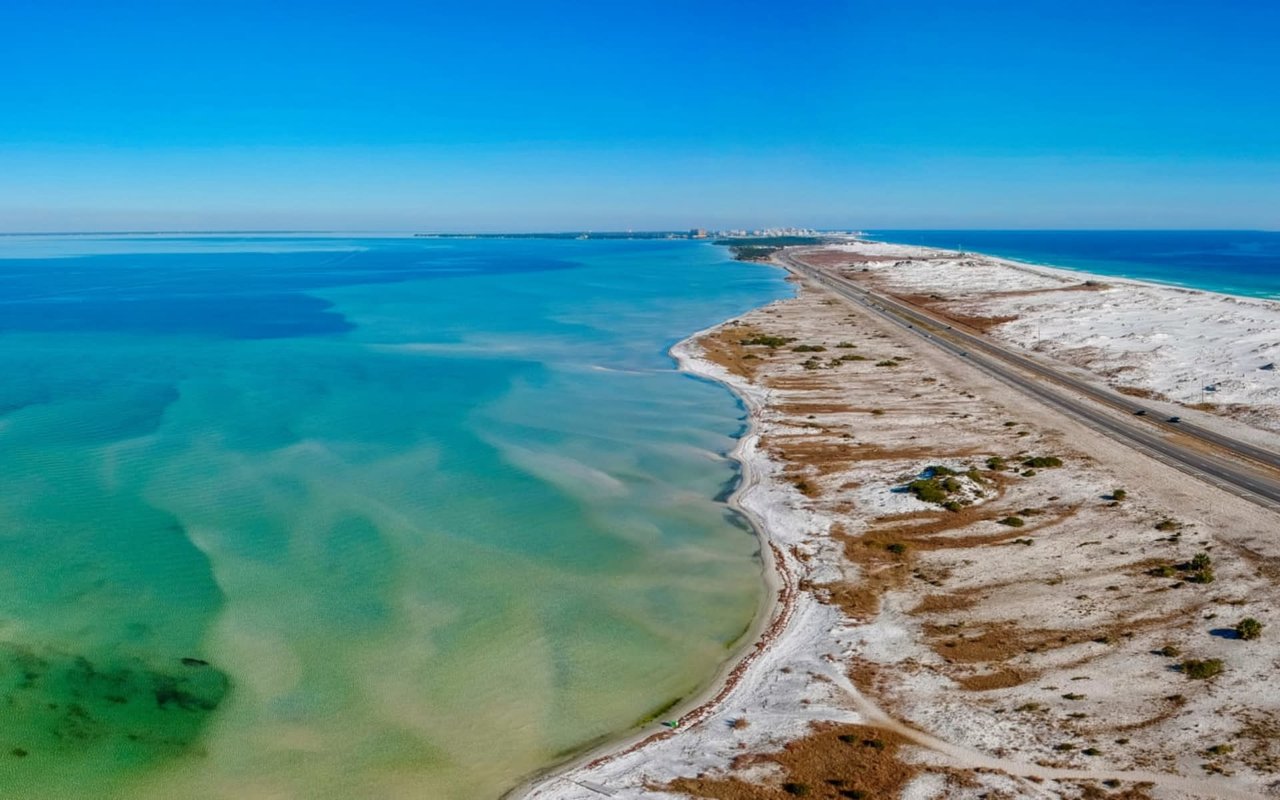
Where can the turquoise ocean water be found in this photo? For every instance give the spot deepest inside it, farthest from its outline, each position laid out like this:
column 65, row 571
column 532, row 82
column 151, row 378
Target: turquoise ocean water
column 336, row 517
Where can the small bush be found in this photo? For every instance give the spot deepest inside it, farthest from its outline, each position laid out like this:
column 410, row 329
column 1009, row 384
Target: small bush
column 897, row 548
column 1166, row 525
column 1202, row 669
column 768, row 341
column 877, row 412
column 938, row 471
column 1042, row 462
column 874, row 744
column 1201, row 576
column 846, row 345
column 1119, row 494
column 1164, row 571
column 886, row 363
column 852, row 357
column 1012, row 522
column 1091, row 751
column 953, row 505
column 808, row 348
column 1170, row 651
column 1219, row 750
column 1248, row 628
column 996, row 463
column 796, row 789
column 927, row 490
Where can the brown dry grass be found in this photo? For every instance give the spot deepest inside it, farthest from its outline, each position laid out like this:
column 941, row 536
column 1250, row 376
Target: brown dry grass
column 724, row 346
column 833, row 762
column 840, row 258
column 1000, row 678
column 937, row 307
column 1138, row 391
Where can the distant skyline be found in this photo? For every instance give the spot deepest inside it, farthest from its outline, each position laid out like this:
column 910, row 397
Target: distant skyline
column 507, row 116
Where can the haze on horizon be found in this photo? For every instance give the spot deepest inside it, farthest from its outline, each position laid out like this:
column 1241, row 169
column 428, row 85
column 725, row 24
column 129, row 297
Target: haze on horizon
column 500, row 115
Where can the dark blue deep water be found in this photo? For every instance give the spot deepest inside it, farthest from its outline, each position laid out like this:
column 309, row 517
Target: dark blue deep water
column 1232, row 262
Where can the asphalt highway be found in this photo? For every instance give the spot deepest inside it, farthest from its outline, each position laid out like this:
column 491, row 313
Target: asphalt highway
column 1246, row 470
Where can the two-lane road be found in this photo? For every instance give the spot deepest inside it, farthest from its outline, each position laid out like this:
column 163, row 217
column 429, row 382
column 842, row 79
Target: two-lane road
column 1247, row 470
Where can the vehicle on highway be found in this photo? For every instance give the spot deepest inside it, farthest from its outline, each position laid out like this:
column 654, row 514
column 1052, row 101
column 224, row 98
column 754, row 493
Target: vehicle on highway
column 1142, row 412
column 1175, row 419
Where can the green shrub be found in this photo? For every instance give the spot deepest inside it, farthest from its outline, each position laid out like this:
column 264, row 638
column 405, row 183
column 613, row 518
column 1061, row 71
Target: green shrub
column 1201, row 576
column 1119, row 494
column 897, row 548
column 796, row 789
column 1170, row 651
column 953, row 505
column 1012, row 522
column 1248, row 628
column 768, row 341
column 996, row 463
column 1042, row 462
column 886, row 363
column 1219, row 750
column 1166, row 525
column 808, row 348
column 846, row 345
column 927, row 490
column 1163, row 571
column 939, row 471
column 1202, row 669
column 852, row 357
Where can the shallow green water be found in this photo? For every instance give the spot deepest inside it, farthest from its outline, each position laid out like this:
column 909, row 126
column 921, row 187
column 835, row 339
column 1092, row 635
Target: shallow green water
column 420, row 516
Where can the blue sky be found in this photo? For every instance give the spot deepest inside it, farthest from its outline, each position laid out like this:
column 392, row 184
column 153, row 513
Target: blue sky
column 491, row 115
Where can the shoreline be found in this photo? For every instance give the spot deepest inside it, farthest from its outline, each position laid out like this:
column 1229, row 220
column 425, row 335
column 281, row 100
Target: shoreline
column 774, row 612
column 774, row 634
